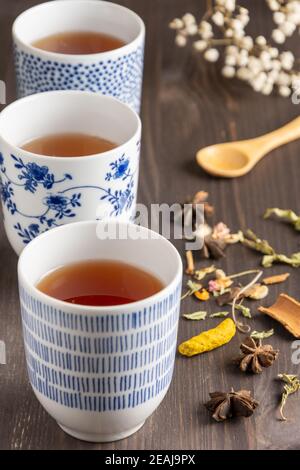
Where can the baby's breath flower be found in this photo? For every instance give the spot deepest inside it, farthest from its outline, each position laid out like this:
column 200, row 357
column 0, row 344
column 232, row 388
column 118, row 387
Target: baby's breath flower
column 211, row 55
column 230, row 59
column 228, row 71
column 279, row 17
column 188, row 19
column 218, row 18
column 177, row 23
column 192, row 29
column 273, row 5
column 284, row 91
column 278, row 36
column 230, row 5
column 261, row 40
column 180, row 40
column 200, row 45
column 287, row 28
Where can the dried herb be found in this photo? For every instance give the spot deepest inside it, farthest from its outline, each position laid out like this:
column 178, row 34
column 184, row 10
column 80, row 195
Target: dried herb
column 257, row 292
column 292, row 385
column 192, row 287
column 293, row 260
column 262, row 334
column 252, row 241
column 195, row 316
column 240, row 326
column 232, row 404
column 208, row 340
column 285, row 214
column 228, row 296
column 285, row 310
column 201, row 198
column 244, row 310
column 278, row 278
column 213, row 248
column 270, row 256
column 219, row 314
column 201, row 273
column 190, row 262
column 255, row 356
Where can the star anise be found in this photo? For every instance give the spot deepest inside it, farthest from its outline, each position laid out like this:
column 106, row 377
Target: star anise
column 231, row 404
column 255, row 356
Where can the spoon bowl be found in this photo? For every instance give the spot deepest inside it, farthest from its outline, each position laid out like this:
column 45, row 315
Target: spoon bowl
column 233, row 159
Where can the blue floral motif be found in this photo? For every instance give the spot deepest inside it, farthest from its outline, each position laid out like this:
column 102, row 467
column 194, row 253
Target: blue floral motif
column 35, row 175
column 119, row 169
column 121, row 200
column 60, row 205
column 29, row 233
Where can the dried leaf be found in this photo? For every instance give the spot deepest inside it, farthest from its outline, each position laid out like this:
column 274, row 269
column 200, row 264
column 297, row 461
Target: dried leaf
column 201, row 273
column 262, row 246
column 286, row 311
column 192, row 287
column 235, row 237
column 195, row 316
column 278, row 278
column 293, row 260
column 257, row 292
column 285, row 214
column 292, row 385
column 244, row 310
column 219, row 315
column 262, row 334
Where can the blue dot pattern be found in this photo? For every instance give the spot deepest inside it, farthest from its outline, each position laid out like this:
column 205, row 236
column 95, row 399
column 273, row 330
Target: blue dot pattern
column 120, row 77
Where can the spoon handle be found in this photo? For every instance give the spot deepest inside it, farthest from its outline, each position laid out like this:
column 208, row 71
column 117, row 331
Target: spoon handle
column 281, row 136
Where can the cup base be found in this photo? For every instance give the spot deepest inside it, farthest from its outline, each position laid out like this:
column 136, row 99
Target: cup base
column 94, row 437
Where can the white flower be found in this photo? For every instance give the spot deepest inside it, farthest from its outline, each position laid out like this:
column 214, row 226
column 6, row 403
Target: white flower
column 236, row 24
column 177, row 23
column 230, row 59
column 265, row 56
column 247, row 42
column 273, row 75
column 221, row 3
column 244, row 73
column 293, row 17
column 284, row 91
column 244, row 11
column 238, row 33
column 211, row 55
column 276, row 64
column 278, row 36
column 205, row 26
column 206, row 34
column 283, row 79
column 287, row 60
column 230, row 5
column 218, row 18
column 261, row 40
column 267, row 89
column 192, row 29
column 274, row 5
column 188, row 18
column 228, row 71
column 229, row 33
column 180, row 40
column 287, row 28
column 254, row 64
column 200, row 45
column 273, row 51
column 232, row 50
column 243, row 59
column 279, row 17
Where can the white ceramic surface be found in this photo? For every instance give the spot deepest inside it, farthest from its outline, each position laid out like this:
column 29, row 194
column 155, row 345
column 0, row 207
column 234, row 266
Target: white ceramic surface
column 100, row 372
column 40, row 192
column 116, row 73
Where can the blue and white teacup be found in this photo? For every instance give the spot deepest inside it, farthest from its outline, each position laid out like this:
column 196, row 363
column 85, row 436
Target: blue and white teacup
column 100, row 372
column 40, row 192
column 116, row 73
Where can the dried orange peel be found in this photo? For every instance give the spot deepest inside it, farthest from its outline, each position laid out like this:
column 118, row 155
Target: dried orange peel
column 275, row 279
column 286, row 311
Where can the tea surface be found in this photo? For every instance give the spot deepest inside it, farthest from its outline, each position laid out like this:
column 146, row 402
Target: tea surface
column 68, row 145
column 99, row 283
column 77, row 42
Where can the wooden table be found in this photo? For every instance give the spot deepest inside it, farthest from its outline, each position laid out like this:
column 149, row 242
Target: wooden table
column 186, row 105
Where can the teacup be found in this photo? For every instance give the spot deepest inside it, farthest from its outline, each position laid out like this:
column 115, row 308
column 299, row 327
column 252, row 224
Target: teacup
column 40, row 192
column 100, row 372
column 116, row 73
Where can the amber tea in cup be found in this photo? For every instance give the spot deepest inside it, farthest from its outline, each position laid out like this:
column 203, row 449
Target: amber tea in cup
column 99, row 283
column 68, row 145
column 78, row 42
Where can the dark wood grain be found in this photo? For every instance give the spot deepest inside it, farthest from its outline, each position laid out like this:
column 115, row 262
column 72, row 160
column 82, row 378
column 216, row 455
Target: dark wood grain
column 186, row 105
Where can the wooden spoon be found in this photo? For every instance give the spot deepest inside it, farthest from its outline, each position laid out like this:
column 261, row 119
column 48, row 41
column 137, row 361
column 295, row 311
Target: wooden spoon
column 234, row 159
